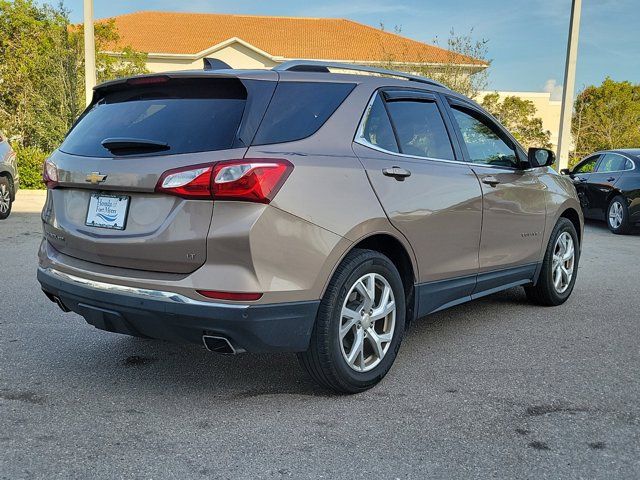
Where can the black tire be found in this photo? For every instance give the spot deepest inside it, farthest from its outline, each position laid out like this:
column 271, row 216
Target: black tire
column 324, row 360
column 544, row 292
column 625, row 226
column 6, row 196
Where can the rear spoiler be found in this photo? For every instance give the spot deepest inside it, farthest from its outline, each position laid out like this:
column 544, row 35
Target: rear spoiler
column 268, row 75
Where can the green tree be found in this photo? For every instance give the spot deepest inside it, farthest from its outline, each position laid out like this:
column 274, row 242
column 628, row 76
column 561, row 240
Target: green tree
column 519, row 117
column 42, row 73
column 462, row 55
column 606, row 117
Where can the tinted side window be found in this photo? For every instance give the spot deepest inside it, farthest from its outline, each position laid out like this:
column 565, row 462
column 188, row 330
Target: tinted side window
column 483, row 140
column 611, row 163
column 299, row 109
column 377, row 128
column 420, row 129
column 628, row 165
column 588, row 165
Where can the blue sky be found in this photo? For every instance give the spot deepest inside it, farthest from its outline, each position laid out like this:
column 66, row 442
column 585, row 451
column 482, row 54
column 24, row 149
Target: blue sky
column 527, row 38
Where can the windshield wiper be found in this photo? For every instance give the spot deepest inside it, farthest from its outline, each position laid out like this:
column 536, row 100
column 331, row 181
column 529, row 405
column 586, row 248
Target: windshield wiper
column 130, row 146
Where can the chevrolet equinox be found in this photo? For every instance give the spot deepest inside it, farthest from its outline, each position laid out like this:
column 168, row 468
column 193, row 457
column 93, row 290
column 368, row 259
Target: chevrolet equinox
column 297, row 209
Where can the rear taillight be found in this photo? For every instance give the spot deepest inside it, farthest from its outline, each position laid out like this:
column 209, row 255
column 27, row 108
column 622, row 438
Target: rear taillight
column 50, row 174
column 187, row 182
column 251, row 180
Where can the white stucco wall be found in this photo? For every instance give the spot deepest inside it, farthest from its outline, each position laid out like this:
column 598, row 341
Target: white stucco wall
column 548, row 110
column 236, row 55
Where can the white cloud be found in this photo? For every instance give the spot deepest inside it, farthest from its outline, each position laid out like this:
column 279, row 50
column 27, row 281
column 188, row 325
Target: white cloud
column 553, row 88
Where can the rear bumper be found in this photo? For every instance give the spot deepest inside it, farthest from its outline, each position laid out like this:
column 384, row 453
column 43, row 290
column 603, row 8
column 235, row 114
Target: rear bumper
column 284, row 327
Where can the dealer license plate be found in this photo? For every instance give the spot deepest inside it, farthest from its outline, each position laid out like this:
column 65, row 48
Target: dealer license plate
column 108, row 211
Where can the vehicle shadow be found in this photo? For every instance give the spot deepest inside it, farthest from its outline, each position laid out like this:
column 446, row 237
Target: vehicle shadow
column 601, row 227
column 156, row 367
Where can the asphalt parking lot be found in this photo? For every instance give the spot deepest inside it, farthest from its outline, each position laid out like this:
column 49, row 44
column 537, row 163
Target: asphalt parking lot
column 496, row 388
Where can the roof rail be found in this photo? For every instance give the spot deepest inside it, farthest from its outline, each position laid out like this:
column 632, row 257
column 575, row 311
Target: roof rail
column 320, row 66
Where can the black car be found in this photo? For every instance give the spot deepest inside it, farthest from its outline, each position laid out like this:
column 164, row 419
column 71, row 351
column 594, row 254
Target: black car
column 608, row 185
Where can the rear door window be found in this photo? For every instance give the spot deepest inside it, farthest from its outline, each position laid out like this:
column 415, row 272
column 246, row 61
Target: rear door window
column 299, row 109
column 611, row 163
column 377, row 128
column 420, row 129
column 188, row 115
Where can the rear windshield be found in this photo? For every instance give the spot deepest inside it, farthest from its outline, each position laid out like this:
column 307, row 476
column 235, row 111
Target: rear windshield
column 299, row 109
column 188, row 115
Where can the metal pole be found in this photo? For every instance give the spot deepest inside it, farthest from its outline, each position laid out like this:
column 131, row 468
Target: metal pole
column 89, row 51
column 564, row 135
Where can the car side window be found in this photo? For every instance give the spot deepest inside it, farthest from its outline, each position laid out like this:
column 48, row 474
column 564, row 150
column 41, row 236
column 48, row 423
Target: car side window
column 611, row 163
column 483, row 140
column 628, row 165
column 587, row 166
column 420, row 129
column 377, row 128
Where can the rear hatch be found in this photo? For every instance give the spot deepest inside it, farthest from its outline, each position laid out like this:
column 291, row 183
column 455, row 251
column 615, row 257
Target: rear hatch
column 103, row 206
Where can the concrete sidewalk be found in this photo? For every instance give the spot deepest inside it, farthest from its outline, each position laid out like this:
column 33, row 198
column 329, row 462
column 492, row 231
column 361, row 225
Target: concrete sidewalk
column 29, row 201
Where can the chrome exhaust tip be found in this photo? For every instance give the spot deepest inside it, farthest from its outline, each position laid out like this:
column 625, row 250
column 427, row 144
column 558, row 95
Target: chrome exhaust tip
column 62, row 306
column 55, row 299
column 218, row 344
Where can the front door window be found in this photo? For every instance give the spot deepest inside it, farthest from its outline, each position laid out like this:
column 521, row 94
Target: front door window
column 484, row 141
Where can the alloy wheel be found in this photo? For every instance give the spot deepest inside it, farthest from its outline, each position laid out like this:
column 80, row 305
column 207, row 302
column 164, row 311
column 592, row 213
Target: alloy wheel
column 5, row 199
column 616, row 215
column 563, row 262
column 367, row 322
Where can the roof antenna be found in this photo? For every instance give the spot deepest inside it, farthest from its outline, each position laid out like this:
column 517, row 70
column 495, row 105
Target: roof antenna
column 215, row 64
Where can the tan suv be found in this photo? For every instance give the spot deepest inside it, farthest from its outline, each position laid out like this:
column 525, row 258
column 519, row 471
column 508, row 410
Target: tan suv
column 297, row 209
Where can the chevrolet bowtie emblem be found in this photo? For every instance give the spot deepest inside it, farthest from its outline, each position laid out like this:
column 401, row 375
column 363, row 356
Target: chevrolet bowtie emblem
column 95, row 178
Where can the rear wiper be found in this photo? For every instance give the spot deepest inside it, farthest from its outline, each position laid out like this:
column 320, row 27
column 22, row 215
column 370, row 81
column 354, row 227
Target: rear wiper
column 129, row 146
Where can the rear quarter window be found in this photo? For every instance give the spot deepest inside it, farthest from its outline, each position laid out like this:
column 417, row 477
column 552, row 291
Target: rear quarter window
column 299, row 109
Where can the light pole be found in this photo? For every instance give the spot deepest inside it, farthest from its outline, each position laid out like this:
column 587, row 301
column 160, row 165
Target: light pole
column 564, row 135
column 89, row 51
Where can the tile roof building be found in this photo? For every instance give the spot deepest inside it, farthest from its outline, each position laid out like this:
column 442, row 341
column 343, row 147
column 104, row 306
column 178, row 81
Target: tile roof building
column 175, row 41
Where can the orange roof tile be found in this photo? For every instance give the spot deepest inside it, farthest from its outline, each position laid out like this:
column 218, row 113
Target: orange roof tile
column 287, row 37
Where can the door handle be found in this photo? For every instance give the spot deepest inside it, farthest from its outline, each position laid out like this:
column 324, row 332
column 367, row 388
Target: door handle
column 490, row 180
column 611, row 179
column 581, row 179
column 396, row 172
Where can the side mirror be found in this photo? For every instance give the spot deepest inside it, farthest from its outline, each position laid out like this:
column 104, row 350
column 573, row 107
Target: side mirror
column 565, row 171
column 541, row 157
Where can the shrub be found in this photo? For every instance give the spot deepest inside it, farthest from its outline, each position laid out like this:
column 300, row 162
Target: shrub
column 30, row 164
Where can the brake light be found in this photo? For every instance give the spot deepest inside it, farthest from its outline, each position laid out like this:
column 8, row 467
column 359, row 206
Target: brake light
column 252, row 180
column 50, row 174
column 237, row 296
column 150, row 80
column 188, row 182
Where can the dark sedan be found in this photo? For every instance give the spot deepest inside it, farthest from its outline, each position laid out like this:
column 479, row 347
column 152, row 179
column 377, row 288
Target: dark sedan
column 608, row 185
